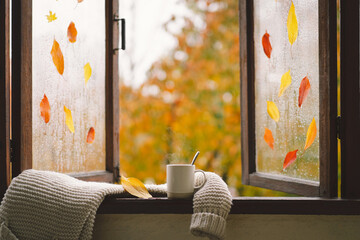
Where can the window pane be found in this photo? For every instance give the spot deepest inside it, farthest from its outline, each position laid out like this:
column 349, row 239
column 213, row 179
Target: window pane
column 68, row 66
column 287, row 76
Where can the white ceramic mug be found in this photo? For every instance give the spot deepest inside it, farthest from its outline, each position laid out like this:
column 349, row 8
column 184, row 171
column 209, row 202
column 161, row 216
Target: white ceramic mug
column 180, row 180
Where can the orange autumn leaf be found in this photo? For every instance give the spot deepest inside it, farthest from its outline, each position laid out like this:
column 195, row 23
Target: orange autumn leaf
column 45, row 109
column 303, row 90
column 268, row 137
column 289, row 159
column 311, row 134
column 135, row 187
column 57, row 57
column 72, row 32
column 79, row 1
column 266, row 44
column 91, row 135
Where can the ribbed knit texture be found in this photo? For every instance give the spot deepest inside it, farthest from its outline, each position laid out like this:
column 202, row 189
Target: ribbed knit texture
column 48, row 205
column 211, row 205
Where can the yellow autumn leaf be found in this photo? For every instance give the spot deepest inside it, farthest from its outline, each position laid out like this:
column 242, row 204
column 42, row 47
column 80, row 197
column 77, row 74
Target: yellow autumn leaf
column 285, row 82
column 311, row 134
column 292, row 24
column 68, row 119
column 87, row 72
column 135, row 187
column 51, row 17
column 273, row 111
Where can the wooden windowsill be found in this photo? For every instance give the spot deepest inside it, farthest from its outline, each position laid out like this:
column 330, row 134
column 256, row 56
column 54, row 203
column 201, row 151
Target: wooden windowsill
column 241, row 205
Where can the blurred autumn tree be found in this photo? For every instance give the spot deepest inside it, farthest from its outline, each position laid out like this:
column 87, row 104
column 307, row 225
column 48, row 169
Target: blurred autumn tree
column 190, row 101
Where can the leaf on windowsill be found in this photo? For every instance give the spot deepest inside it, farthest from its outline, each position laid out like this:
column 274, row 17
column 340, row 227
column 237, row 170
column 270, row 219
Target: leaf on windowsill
column 51, row 17
column 292, row 24
column 266, row 44
column 91, row 135
column 268, row 137
column 289, row 159
column 273, row 111
column 135, row 187
column 311, row 134
column 72, row 32
column 285, row 82
column 87, row 72
column 303, row 90
column 57, row 57
column 45, row 109
column 68, row 119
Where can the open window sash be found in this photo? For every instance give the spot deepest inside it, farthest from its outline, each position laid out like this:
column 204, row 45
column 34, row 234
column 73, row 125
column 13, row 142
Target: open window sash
column 326, row 183
column 23, row 116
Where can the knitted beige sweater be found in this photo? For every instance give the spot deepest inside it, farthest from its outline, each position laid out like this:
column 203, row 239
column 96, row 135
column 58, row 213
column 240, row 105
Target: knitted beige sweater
column 211, row 206
column 49, row 205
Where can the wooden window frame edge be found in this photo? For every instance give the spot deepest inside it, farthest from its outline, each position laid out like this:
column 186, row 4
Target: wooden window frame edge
column 328, row 107
column 350, row 97
column 112, row 89
column 4, row 97
column 286, row 184
column 241, row 205
column 22, row 86
column 95, row 176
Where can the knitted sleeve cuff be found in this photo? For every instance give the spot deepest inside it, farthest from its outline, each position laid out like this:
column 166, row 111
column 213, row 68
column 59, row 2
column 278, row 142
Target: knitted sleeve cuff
column 208, row 225
column 5, row 233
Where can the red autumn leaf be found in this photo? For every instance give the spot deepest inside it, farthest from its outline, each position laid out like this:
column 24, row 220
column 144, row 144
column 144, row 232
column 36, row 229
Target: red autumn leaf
column 266, row 44
column 45, row 109
column 268, row 137
column 91, row 135
column 303, row 90
column 290, row 158
column 72, row 32
column 57, row 57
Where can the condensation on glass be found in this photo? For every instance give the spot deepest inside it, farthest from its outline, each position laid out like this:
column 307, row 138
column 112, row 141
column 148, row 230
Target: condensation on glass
column 302, row 60
column 55, row 147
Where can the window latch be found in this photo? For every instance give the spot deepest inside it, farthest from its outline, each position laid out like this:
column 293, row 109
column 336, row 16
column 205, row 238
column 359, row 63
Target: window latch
column 123, row 32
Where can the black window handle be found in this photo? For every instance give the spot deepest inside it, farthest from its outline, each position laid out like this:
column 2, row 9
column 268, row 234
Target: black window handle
column 123, row 32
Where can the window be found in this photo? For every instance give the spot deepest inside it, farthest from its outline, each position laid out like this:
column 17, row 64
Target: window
column 272, row 104
column 64, row 70
column 322, row 183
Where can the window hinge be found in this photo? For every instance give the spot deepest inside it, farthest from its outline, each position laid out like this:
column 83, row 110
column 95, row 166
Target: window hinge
column 338, row 127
